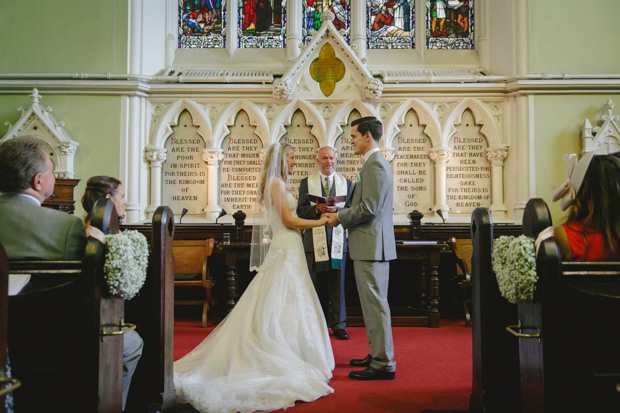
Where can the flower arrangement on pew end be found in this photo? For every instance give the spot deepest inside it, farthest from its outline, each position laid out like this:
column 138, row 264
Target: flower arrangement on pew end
column 514, row 263
column 126, row 262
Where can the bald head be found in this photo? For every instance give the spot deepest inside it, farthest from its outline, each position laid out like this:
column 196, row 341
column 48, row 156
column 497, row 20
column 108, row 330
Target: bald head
column 327, row 158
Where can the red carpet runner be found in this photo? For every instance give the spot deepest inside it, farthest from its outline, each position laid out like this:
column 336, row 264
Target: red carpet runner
column 433, row 373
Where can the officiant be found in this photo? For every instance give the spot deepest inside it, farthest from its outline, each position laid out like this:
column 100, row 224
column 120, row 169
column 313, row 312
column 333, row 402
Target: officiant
column 326, row 247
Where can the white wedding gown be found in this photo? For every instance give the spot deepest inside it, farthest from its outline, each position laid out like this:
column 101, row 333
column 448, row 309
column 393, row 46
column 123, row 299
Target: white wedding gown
column 272, row 349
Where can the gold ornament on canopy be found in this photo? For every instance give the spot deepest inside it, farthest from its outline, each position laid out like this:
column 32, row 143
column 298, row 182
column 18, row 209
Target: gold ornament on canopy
column 327, row 69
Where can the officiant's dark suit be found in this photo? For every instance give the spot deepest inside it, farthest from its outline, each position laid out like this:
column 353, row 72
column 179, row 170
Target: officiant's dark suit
column 328, row 284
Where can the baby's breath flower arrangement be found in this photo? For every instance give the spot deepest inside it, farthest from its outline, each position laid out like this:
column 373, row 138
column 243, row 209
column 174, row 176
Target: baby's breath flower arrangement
column 126, row 261
column 514, row 263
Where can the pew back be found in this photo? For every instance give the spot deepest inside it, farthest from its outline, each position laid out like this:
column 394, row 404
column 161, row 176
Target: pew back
column 153, row 311
column 7, row 384
column 580, row 326
column 536, row 217
column 57, row 326
column 575, row 365
column 495, row 384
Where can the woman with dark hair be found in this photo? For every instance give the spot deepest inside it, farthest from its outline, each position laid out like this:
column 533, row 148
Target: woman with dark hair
column 107, row 187
column 591, row 194
column 100, row 187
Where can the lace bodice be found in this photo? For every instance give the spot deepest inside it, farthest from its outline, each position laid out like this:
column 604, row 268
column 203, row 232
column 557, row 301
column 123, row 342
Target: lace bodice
column 275, row 222
column 292, row 203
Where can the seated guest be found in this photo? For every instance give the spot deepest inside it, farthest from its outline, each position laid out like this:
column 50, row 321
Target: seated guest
column 107, row 187
column 29, row 231
column 103, row 187
column 591, row 194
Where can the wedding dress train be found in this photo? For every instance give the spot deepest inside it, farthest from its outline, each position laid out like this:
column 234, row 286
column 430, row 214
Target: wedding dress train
column 272, row 349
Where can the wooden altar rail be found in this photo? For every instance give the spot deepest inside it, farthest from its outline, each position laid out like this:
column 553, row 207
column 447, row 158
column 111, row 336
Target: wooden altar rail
column 575, row 364
column 432, row 232
column 451, row 300
column 425, row 254
column 59, row 327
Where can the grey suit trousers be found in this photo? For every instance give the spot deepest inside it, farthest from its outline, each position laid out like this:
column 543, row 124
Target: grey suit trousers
column 372, row 279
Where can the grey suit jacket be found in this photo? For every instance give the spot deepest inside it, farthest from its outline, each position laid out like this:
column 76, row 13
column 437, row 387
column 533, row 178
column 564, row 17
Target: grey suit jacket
column 307, row 211
column 369, row 219
column 29, row 231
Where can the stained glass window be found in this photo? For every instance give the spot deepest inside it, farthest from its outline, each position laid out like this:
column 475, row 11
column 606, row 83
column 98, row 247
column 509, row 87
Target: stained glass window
column 450, row 24
column 339, row 14
column 202, row 23
column 391, row 24
column 262, row 23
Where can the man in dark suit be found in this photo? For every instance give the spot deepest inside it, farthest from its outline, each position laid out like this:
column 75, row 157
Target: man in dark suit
column 326, row 247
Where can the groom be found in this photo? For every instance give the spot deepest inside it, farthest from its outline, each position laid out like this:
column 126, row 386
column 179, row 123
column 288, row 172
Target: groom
column 371, row 247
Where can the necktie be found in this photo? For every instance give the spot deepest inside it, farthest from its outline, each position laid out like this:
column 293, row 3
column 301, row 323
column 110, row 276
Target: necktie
column 326, row 186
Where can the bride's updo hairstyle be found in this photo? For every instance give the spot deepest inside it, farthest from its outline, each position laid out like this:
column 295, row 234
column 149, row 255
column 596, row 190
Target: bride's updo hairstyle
column 98, row 187
column 277, row 153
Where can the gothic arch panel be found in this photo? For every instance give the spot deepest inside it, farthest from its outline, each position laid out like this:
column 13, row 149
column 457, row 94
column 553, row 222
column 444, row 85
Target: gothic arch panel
column 199, row 116
column 229, row 115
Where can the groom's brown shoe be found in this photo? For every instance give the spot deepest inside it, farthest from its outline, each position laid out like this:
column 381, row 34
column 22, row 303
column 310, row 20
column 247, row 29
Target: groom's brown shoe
column 365, row 362
column 370, row 373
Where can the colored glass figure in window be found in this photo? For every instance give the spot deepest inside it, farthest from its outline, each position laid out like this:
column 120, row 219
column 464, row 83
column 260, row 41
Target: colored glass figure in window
column 262, row 23
column 339, row 12
column 390, row 24
column 201, row 23
column 450, row 24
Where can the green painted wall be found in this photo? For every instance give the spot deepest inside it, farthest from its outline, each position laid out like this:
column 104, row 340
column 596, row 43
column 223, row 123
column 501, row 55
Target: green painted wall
column 574, row 36
column 558, row 130
column 63, row 36
column 69, row 36
column 92, row 121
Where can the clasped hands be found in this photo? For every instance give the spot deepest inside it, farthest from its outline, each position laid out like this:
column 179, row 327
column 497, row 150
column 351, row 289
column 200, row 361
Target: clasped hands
column 332, row 219
column 328, row 211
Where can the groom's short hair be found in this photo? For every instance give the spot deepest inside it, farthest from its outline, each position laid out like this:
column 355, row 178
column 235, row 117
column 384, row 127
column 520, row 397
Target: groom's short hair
column 369, row 124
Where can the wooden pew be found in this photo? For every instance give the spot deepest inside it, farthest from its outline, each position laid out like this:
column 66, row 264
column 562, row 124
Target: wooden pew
column 7, row 384
column 576, row 366
column 536, row 217
column 152, row 310
column 495, row 384
column 64, row 339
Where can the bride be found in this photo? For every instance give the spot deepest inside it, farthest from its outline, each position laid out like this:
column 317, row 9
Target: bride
column 273, row 348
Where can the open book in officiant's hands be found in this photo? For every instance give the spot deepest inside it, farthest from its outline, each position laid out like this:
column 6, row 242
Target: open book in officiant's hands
column 329, row 200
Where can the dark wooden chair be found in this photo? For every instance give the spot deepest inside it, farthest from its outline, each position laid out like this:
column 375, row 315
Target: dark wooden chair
column 575, row 365
column 7, row 384
column 65, row 338
column 191, row 270
column 462, row 250
column 495, row 383
column 153, row 310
